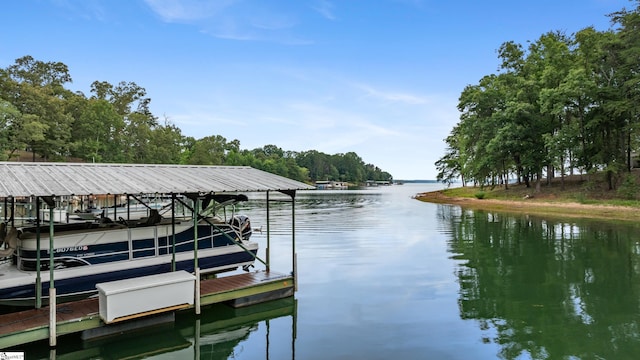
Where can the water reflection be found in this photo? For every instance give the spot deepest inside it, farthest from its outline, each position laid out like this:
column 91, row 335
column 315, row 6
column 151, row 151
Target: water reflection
column 546, row 288
column 383, row 276
column 220, row 332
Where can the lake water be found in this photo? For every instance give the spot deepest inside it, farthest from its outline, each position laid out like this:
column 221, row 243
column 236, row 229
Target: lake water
column 384, row 276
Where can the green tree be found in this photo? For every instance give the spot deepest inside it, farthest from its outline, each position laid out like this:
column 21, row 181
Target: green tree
column 165, row 144
column 94, row 130
column 450, row 166
column 210, row 150
column 481, row 107
column 115, row 124
column 36, row 88
column 10, row 126
column 39, row 73
column 629, row 69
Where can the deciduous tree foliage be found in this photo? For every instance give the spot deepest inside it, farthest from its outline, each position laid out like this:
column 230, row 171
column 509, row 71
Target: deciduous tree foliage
column 115, row 125
column 561, row 104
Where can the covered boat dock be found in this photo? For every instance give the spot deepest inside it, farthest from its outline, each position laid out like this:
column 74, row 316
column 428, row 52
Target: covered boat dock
column 47, row 182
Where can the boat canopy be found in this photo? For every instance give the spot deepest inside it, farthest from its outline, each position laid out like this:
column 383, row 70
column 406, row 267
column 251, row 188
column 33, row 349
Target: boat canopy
column 23, row 179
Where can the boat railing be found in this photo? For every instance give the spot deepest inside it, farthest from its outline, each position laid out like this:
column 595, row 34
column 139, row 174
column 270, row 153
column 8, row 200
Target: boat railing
column 159, row 249
column 159, row 244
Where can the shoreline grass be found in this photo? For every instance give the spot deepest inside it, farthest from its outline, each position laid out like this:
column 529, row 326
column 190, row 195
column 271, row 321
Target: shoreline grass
column 580, row 198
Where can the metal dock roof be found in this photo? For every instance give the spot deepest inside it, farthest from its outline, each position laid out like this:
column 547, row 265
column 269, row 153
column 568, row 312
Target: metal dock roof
column 18, row 179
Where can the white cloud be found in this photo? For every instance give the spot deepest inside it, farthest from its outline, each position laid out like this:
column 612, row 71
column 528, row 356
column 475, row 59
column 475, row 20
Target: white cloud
column 88, row 10
column 325, row 8
column 187, row 10
column 272, row 21
column 232, row 19
column 332, row 128
column 391, row 96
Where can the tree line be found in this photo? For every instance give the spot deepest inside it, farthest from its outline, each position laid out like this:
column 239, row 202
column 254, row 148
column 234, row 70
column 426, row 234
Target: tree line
column 115, row 125
column 562, row 103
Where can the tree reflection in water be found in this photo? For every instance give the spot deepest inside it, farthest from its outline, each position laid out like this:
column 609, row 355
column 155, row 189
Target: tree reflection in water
column 549, row 288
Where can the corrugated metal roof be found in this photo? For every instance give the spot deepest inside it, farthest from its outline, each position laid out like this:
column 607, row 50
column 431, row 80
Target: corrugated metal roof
column 19, row 179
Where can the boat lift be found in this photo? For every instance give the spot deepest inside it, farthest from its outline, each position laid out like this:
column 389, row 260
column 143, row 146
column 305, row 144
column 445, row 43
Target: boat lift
column 237, row 179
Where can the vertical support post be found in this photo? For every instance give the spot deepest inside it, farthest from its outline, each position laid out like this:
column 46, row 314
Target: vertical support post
column 51, row 263
column 115, row 207
column 173, row 232
column 13, row 211
column 268, row 250
column 52, row 288
column 52, row 317
column 128, row 207
column 196, row 212
column 295, row 272
column 293, row 243
column 197, row 292
column 38, row 277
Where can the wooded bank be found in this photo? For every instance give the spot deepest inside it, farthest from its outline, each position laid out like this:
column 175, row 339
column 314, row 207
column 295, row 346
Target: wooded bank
column 114, row 124
column 581, row 197
column 563, row 104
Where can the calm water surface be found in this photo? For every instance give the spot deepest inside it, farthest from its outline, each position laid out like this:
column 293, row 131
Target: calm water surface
column 383, row 276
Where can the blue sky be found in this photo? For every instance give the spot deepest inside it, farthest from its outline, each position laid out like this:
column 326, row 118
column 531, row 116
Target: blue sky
column 377, row 77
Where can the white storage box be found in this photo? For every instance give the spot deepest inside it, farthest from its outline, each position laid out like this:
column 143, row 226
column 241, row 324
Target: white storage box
column 59, row 215
column 131, row 298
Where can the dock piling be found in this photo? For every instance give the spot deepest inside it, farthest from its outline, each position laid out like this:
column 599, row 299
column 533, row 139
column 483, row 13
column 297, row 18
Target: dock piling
column 197, row 292
column 52, row 317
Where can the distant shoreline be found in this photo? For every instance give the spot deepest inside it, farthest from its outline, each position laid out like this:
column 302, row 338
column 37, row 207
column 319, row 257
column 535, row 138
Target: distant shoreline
column 417, row 181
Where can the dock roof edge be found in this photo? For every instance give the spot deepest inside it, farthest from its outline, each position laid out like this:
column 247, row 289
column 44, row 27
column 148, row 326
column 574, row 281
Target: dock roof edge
column 23, row 179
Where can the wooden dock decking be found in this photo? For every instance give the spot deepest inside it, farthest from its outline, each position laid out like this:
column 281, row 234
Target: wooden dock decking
column 243, row 289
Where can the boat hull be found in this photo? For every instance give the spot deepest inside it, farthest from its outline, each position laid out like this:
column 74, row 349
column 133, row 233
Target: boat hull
column 88, row 254
column 72, row 284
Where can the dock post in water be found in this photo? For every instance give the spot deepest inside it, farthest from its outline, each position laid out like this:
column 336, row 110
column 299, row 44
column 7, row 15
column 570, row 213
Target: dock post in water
column 268, row 249
column 197, row 292
column 293, row 243
column 196, row 267
column 52, row 317
column 295, row 272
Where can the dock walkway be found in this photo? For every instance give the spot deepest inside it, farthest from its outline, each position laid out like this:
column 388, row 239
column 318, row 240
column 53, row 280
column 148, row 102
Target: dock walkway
column 31, row 325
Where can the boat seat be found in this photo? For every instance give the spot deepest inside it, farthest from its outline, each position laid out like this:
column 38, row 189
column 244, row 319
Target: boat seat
column 12, row 241
column 153, row 219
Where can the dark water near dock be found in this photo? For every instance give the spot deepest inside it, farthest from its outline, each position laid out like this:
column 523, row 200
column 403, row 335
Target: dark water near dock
column 383, row 276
